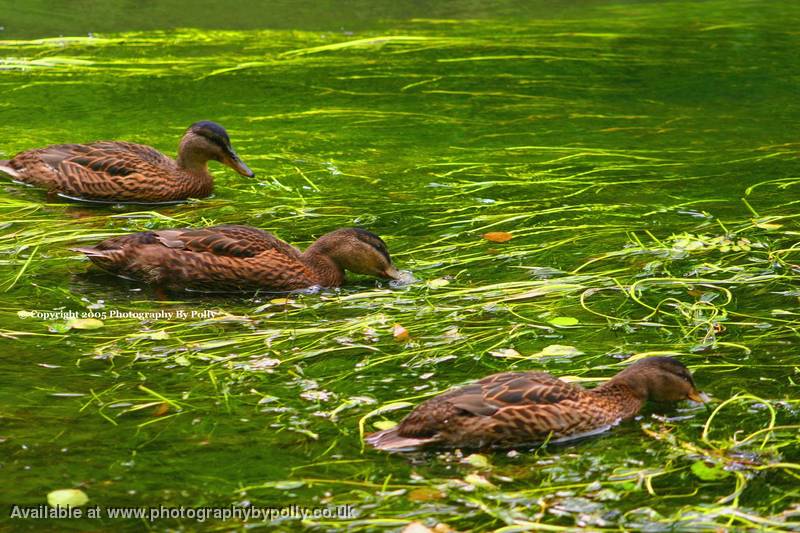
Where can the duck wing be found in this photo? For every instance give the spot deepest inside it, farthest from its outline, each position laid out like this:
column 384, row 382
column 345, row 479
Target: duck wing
column 105, row 168
column 141, row 151
column 515, row 389
column 227, row 240
column 493, row 394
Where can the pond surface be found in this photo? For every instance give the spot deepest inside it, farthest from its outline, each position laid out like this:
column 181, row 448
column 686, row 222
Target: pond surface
column 644, row 157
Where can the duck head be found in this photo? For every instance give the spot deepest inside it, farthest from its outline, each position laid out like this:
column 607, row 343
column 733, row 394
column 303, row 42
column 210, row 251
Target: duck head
column 660, row 379
column 206, row 140
column 357, row 251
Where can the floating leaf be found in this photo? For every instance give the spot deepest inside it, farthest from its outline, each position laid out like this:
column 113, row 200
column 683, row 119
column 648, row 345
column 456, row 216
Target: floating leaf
column 436, row 283
column 564, row 321
column 161, row 409
column 506, row 352
column 84, row 323
column 479, row 482
column 280, row 301
column 67, row 498
column 763, row 224
column 379, row 411
column 400, row 333
column 384, row 424
column 497, row 236
column 709, row 473
column 477, row 460
column 58, row 327
column 559, row 350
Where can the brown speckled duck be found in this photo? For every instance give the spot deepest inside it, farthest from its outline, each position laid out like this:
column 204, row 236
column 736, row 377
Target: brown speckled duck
column 517, row 408
column 116, row 171
column 233, row 257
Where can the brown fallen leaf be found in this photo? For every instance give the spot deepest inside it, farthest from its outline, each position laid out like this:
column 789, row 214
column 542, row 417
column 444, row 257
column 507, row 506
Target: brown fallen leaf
column 400, row 333
column 161, row 409
column 416, row 527
column 425, row 494
column 497, row 236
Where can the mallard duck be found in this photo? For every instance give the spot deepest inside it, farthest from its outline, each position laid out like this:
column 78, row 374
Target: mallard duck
column 116, row 171
column 233, row 257
column 516, row 408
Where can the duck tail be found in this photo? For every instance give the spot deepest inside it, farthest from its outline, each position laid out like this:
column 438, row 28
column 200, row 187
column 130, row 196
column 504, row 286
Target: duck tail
column 107, row 259
column 5, row 166
column 390, row 440
column 89, row 251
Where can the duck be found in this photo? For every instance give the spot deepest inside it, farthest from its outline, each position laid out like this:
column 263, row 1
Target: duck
column 233, row 257
column 519, row 408
column 118, row 171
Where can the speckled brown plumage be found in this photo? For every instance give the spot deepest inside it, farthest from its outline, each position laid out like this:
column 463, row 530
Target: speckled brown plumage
column 117, row 171
column 514, row 408
column 233, row 257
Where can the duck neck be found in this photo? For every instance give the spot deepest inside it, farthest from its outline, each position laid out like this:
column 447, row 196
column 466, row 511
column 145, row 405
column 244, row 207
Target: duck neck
column 330, row 274
column 627, row 400
column 193, row 160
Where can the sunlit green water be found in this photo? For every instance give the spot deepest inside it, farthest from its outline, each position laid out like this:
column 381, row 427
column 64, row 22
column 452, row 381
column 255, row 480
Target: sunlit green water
column 596, row 135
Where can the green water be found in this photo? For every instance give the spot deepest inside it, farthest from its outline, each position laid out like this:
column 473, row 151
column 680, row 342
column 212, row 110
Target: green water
column 615, row 141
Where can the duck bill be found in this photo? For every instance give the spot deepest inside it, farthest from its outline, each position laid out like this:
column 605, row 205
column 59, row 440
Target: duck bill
column 697, row 396
column 232, row 160
column 391, row 273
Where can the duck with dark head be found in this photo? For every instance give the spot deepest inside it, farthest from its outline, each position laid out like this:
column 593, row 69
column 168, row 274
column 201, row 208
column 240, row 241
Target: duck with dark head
column 519, row 408
column 118, row 171
column 234, row 257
